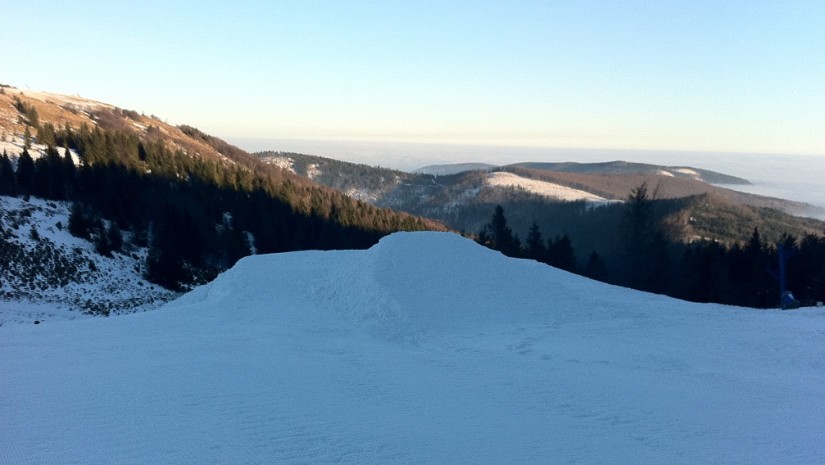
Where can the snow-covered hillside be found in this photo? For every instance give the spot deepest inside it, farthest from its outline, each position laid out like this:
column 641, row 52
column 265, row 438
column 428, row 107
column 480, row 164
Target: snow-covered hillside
column 543, row 188
column 426, row 348
column 49, row 274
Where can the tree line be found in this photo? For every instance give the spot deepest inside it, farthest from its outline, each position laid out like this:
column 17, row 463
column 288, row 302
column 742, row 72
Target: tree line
column 645, row 258
column 197, row 216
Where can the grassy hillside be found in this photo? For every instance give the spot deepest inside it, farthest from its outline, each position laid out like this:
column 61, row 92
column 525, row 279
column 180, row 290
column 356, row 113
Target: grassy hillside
column 199, row 202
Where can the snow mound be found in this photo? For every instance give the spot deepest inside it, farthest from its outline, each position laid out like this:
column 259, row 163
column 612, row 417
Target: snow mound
column 426, row 348
column 408, row 286
column 441, row 281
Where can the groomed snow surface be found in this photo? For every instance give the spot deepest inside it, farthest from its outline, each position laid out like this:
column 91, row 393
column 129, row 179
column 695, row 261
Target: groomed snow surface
column 425, row 349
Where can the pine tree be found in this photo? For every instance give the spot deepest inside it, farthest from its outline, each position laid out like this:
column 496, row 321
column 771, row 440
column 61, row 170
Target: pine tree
column 69, row 171
column 501, row 235
column 561, row 254
column 175, row 248
column 755, row 245
column 49, row 175
column 27, row 138
column 535, row 248
column 107, row 240
column 8, row 184
column 25, row 173
column 595, row 268
column 751, row 284
column 46, row 135
column 642, row 245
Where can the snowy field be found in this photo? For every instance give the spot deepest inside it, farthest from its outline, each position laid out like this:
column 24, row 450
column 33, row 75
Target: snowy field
column 425, row 349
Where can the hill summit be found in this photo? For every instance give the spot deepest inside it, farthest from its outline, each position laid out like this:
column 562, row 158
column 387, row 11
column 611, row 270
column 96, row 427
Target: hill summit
column 194, row 201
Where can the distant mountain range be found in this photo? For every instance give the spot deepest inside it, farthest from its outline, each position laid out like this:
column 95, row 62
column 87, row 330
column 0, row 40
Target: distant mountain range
column 611, row 167
column 444, row 170
column 623, row 167
column 463, row 195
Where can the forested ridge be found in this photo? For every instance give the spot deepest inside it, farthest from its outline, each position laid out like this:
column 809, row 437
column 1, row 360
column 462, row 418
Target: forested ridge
column 197, row 214
column 636, row 249
column 690, row 208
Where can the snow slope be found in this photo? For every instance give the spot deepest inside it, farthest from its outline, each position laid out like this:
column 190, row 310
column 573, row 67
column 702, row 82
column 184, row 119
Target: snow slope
column 543, row 188
column 48, row 274
column 426, row 348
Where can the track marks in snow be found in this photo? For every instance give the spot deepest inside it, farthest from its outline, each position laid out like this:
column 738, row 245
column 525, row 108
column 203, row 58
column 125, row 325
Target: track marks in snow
column 294, row 359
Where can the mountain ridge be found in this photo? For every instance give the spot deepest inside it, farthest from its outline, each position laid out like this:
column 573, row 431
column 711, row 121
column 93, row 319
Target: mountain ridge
column 625, row 167
column 450, row 198
column 197, row 202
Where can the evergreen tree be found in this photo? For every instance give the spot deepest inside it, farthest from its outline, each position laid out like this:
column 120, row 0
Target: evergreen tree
column 807, row 270
column 69, row 174
column 27, row 138
column 8, row 184
column 107, row 239
column 703, row 272
column 25, row 173
column 755, row 286
column 501, row 236
column 642, row 245
column 535, row 248
column 28, row 112
column 46, row 135
column 49, row 175
column 561, row 254
column 176, row 248
column 164, row 264
column 233, row 244
column 755, row 245
column 78, row 226
column 595, row 268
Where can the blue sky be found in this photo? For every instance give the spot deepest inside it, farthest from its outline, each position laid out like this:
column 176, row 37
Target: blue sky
column 693, row 75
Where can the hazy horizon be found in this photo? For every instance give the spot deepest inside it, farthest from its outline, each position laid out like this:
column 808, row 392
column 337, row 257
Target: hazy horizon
column 407, row 155
column 798, row 177
column 726, row 86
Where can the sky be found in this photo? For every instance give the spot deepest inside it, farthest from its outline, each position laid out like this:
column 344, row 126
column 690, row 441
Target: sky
column 670, row 75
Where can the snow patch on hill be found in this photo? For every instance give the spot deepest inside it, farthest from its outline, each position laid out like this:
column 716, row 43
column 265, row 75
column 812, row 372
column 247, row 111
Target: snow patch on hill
column 14, row 145
column 285, row 163
column 690, row 172
column 313, row 171
column 364, row 195
column 48, row 274
column 426, row 348
column 543, row 188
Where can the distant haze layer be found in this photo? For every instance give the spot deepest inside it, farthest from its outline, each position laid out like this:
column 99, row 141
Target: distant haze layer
column 792, row 177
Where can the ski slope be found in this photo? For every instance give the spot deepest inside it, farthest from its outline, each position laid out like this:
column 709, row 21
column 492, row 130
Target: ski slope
column 425, row 349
